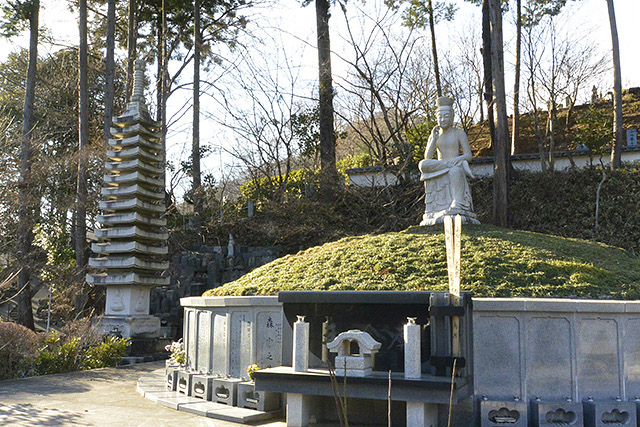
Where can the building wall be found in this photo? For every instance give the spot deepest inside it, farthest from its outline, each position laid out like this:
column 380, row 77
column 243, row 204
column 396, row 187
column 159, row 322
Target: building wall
column 483, row 167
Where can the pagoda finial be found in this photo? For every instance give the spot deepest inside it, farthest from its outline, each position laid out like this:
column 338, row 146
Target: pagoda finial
column 138, row 82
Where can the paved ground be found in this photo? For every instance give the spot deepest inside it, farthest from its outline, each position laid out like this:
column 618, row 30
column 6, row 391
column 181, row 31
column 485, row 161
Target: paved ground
column 103, row 397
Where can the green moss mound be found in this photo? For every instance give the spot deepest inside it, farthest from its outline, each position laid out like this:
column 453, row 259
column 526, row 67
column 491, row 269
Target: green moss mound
column 495, row 263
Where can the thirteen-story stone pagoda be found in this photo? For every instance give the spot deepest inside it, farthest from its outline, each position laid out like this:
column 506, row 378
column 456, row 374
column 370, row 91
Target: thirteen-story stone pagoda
column 132, row 239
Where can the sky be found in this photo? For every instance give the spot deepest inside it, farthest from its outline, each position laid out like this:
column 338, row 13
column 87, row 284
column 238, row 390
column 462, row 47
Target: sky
column 294, row 26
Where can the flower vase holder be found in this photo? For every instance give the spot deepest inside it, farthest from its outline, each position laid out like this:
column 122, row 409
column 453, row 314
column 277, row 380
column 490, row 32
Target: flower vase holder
column 225, row 390
column 202, row 386
column 264, row 401
column 184, row 382
column 171, row 377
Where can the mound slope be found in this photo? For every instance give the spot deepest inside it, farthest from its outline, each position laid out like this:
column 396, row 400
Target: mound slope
column 495, row 263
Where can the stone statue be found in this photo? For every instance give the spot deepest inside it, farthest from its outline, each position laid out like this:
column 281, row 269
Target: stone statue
column 447, row 190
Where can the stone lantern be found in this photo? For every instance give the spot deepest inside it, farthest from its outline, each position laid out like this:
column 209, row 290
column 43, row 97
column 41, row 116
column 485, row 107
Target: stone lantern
column 129, row 257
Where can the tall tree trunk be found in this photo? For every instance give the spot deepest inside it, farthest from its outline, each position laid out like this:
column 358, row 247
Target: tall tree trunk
column 501, row 143
column 132, row 37
column 26, row 200
column 328, row 176
column 83, row 138
column 486, row 62
column 160, row 64
column 551, row 126
column 567, row 128
column 481, row 86
column 164, row 93
column 195, row 149
column 618, row 135
column 515, row 135
column 109, row 68
column 434, row 50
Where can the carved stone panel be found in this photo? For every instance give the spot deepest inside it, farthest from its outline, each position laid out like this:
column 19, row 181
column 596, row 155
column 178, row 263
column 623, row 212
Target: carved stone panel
column 269, row 339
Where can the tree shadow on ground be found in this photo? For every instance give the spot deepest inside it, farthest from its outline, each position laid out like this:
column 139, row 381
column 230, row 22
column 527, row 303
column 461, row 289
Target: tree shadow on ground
column 28, row 415
column 74, row 382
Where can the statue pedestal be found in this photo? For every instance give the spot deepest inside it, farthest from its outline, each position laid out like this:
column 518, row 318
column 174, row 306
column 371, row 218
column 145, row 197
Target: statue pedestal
column 441, row 201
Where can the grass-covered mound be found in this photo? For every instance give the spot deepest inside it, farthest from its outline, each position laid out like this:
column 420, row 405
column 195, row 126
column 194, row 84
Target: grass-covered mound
column 495, row 263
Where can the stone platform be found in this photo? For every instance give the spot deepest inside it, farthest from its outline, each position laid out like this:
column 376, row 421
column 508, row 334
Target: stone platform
column 152, row 387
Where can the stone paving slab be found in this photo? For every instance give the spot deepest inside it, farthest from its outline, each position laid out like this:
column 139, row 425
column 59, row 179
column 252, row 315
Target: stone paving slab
column 148, row 387
column 97, row 398
column 176, row 402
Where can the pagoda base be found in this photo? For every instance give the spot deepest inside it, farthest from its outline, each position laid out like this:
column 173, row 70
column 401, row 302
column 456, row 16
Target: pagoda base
column 145, row 326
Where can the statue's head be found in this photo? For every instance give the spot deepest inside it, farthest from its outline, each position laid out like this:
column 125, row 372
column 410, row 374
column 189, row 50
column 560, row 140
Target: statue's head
column 445, row 112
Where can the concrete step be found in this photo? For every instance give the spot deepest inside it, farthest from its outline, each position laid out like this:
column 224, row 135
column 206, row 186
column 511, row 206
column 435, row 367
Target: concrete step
column 152, row 387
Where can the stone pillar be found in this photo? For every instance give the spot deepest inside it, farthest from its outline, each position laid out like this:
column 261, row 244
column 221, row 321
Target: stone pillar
column 419, row 414
column 300, row 345
column 300, row 407
column 412, row 364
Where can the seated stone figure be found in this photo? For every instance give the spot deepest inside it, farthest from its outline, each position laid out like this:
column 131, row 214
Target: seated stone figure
column 447, row 190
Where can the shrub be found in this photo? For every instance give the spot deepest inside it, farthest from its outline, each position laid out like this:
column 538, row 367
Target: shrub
column 107, row 353
column 59, row 354
column 18, row 347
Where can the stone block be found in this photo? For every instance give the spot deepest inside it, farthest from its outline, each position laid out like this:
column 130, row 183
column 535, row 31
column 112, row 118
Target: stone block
column 143, row 326
column 605, row 413
column 249, row 397
column 225, row 391
column 300, row 408
column 202, row 386
column 597, row 357
column 171, row 378
column 184, row 382
column 548, row 361
column 355, row 366
column 553, row 413
column 497, row 354
column 420, row 414
column 495, row 413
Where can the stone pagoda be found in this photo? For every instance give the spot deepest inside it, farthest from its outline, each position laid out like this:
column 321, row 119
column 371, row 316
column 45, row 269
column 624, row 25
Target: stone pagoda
column 129, row 257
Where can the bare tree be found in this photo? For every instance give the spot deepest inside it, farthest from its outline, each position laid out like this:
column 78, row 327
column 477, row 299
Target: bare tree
column 560, row 63
column 515, row 134
column 582, row 65
column 261, row 107
column 549, row 79
column 534, row 48
column 464, row 79
column 387, row 86
column 421, row 13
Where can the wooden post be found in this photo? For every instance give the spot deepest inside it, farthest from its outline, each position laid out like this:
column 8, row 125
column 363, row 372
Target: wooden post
column 452, row 233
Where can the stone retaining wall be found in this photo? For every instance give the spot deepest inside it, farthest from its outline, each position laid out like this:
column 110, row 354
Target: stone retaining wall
column 556, row 348
column 523, row 348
